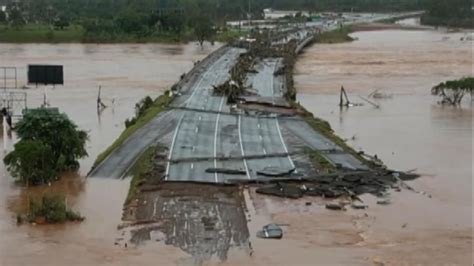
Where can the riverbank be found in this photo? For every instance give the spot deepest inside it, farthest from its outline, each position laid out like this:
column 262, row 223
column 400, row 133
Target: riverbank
column 33, row 33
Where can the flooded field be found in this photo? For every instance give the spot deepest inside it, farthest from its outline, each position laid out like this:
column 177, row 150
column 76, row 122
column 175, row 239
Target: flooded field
column 409, row 131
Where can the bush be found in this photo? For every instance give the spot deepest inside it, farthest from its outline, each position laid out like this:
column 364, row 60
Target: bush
column 140, row 108
column 53, row 209
column 32, row 163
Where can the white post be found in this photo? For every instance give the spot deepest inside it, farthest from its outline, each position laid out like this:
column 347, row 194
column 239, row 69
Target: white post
column 5, row 135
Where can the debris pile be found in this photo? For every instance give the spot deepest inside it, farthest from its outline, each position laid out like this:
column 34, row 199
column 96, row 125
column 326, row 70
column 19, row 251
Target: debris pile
column 350, row 184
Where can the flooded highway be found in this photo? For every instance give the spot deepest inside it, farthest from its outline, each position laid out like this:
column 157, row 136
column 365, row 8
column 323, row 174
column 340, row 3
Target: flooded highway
column 409, row 131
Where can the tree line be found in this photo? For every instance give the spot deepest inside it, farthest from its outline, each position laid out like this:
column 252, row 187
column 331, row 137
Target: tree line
column 450, row 13
column 109, row 19
column 147, row 17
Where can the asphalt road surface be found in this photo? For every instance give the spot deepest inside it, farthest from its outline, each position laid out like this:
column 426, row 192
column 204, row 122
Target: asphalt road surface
column 202, row 133
column 198, row 133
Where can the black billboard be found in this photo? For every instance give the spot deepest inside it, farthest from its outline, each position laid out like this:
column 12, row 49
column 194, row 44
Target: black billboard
column 45, row 74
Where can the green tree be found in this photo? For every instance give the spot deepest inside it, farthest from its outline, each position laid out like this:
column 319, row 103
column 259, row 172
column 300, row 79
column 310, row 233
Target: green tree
column 61, row 22
column 131, row 22
column 3, row 17
column 203, row 29
column 15, row 17
column 172, row 22
column 453, row 91
column 31, row 162
column 49, row 144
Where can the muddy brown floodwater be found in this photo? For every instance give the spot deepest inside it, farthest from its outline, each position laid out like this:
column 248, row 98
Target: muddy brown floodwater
column 126, row 73
column 409, row 131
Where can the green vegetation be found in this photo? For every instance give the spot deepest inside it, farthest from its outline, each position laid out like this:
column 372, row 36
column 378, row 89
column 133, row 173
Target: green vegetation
column 320, row 162
column 50, row 209
column 145, row 116
column 140, row 170
column 453, row 91
column 32, row 33
column 336, row 36
column 449, row 13
column 228, row 36
column 203, row 29
column 154, row 21
column 49, row 144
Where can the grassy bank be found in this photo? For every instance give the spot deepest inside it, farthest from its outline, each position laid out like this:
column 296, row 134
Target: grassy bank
column 41, row 33
column 325, row 129
column 320, row 162
column 33, row 33
column 158, row 106
column 229, row 36
column 336, row 36
column 139, row 171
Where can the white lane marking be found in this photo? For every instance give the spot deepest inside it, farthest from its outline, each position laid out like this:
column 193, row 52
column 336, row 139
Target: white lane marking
column 258, row 125
column 273, row 84
column 209, row 71
column 242, row 147
column 278, row 124
column 264, row 151
column 283, row 142
column 172, row 146
column 261, row 138
column 195, row 89
column 185, row 103
column 192, row 166
column 200, row 117
column 196, row 130
column 215, row 136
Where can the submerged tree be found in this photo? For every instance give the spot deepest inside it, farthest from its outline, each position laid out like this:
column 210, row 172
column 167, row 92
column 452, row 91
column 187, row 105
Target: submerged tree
column 453, row 91
column 51, row 209
column 49, row 144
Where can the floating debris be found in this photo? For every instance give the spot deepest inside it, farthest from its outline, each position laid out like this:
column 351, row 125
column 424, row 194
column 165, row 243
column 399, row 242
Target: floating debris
column 384, row 202
column 335, row 207
column 358, row 206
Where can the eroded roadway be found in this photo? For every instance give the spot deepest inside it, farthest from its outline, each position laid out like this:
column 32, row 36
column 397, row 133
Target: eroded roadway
column 202, row 132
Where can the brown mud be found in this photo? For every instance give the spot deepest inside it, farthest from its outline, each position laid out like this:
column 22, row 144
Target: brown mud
column 205, row 221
